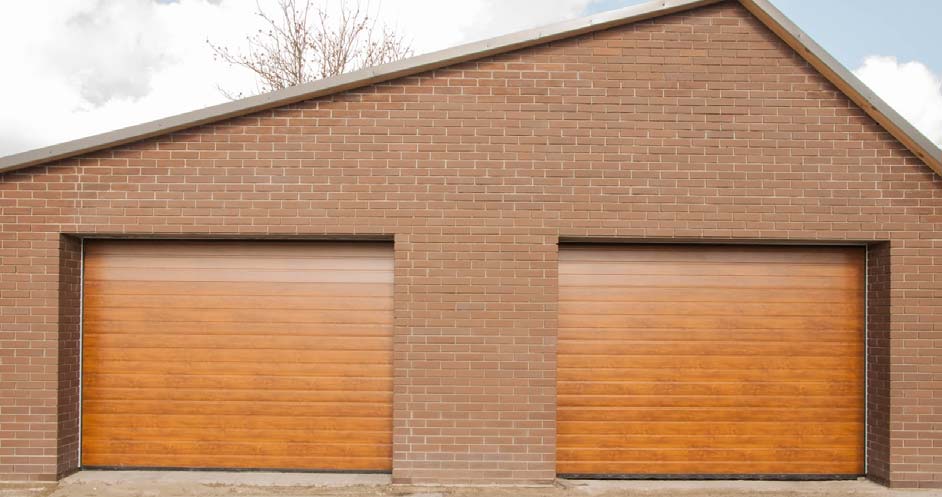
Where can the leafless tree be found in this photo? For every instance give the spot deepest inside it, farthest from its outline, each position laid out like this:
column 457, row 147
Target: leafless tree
column 303, row 41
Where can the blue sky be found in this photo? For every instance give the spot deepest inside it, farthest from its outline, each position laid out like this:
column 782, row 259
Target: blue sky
column 853, row 29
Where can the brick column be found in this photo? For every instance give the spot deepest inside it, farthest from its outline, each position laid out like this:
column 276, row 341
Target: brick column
column 28, row 352
column 878, row 362
column 475, row 357
column 69, row 354
column 915, row 341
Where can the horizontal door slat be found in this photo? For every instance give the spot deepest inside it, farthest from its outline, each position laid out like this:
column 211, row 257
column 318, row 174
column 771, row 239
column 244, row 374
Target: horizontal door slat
column 605, row 419
column 238, row 289
column 754, row 388
column 227, row 461
column 236, row 421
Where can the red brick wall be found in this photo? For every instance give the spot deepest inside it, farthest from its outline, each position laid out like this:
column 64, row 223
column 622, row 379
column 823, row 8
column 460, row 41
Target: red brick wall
column 695, row 126
column 28, row 333
column 879, row 300
column 69, row 377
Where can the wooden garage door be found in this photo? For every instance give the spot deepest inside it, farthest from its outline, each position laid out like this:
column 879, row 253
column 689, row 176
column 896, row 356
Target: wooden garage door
column 711, row 360
column 237, row 355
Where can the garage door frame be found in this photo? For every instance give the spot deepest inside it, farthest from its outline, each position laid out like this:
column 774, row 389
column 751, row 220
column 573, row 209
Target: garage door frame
column 365, row 238
column 865, row 436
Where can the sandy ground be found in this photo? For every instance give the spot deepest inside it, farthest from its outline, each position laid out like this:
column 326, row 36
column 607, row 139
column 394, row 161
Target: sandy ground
column 209, row 484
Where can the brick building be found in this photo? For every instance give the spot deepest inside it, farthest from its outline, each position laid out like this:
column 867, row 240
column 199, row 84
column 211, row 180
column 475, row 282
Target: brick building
column 676, row 240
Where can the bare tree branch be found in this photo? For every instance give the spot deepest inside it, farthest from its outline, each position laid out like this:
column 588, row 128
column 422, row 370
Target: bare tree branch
column 304, row 41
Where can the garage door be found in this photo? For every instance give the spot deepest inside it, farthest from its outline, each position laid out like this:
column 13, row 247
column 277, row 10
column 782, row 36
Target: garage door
column 710, row 360
column 237, row 355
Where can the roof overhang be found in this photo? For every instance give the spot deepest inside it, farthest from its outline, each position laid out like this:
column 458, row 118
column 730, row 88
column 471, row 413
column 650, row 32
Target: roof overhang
column 836, row 73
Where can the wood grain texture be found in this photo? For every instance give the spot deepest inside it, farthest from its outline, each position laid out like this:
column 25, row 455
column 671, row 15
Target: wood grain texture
column 263, row 355
column 699, row 359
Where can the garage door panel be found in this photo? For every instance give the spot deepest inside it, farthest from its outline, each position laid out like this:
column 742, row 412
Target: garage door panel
column 342, row 463
column 707, row 401
column 242, row 435
column 705, row 337
column 182, row 368
column 660, row 467
column 257, row 315
column 237, row 355
column 204, row 261
column 721, row 254
column 689, row 268
column 161, row 407
column 698, row 374
column 798, row 366
column 248, row 289
column 112, row 301
column 656, row 353
column 185, row 422
column 254, row 448
column 587, row 388
column 706, row 425
column 707, row 322
column 794, row 282
column 216, row 248
column 244, row 275
column 622, row 295
column 789, row 441
column 699, row 454
column 223, row 355
column 710, row 360
column 734, row 308
column 720, row 463
column 197, row 345
column 764, row 309
column 634, row 354
column 618, row 419
column 102, row 327
column 244, row 395
column 135, row 379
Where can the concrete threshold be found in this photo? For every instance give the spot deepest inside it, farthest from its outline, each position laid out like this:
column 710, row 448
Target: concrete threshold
column 740, row 488
column 101, row 483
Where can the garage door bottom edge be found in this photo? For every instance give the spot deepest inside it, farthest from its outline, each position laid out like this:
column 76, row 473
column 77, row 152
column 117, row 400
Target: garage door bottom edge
column 236, row 470
column 770, row 477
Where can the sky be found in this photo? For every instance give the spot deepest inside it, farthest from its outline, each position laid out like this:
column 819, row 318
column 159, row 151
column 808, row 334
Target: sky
column 80, row 67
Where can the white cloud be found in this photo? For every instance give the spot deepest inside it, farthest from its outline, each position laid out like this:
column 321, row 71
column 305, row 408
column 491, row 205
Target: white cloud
column 80, row 67
column 910, row 88
column 73, row 68
column 438, row 25
column 117, row 57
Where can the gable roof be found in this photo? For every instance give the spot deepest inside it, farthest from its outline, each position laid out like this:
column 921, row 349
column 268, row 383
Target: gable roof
column 771, row 17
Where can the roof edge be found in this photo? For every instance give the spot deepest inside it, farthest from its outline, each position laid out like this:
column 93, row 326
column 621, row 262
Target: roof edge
column 775, row 20
column 848, row 83
column 356, row 79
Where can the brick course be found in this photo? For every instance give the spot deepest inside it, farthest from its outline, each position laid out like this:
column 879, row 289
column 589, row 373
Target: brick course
column 695, row 126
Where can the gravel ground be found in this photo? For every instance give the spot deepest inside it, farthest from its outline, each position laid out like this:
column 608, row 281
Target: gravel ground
column 199, row 484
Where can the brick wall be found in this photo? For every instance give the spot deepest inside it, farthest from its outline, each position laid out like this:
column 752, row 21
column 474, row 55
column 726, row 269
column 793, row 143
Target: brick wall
column 878, row 361
column 694, row 126
column 28, row 333
column 69, row 377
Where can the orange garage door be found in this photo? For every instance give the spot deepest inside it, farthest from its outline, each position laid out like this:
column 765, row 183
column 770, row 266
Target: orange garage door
column 711, row 360
column 237, row 355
